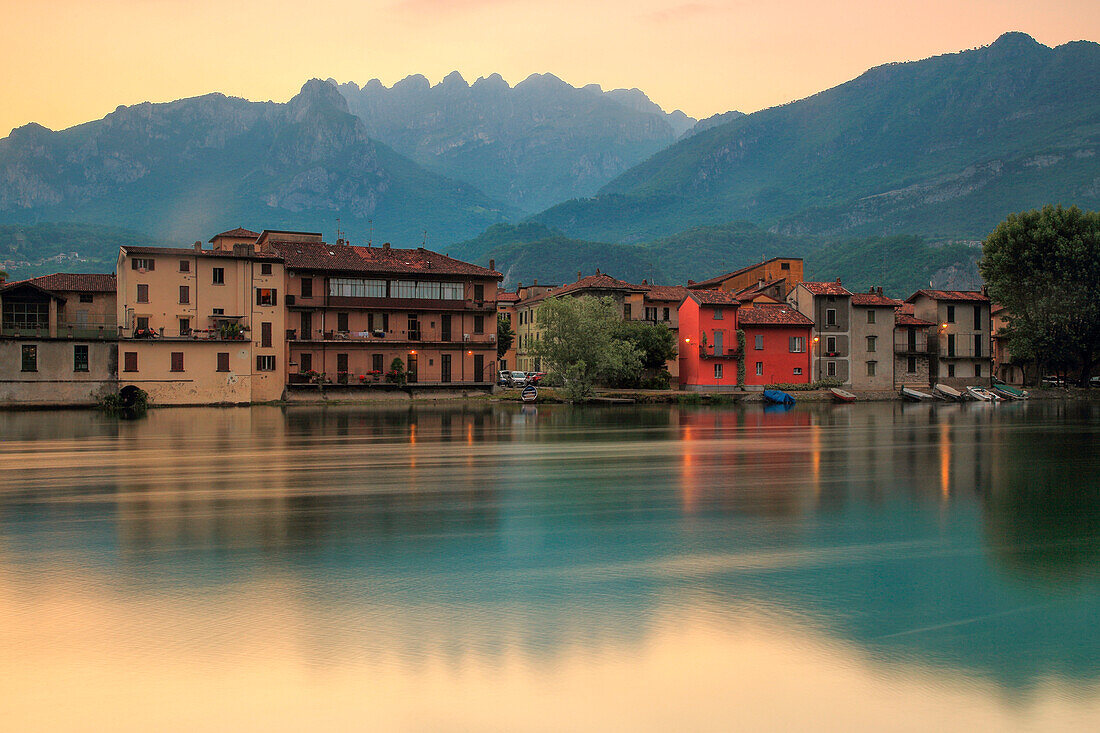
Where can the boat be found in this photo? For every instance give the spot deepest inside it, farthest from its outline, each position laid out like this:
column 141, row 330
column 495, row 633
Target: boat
column 1008, row 392
column 913, row 395
column 982, row 394
column 948, row 393
column 778, row 397
column 841, row 396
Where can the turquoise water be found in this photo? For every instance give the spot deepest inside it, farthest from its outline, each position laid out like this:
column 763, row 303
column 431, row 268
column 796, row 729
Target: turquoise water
column 859, row 567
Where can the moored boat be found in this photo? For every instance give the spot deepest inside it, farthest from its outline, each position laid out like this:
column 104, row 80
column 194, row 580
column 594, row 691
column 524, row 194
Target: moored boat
column 778, row 397
column 948, row 393
column 1008, row 392
column 914, row 395
column 982, row 394
column 841, row 396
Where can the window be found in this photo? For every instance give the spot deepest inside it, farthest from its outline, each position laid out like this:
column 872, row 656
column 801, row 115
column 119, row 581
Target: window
column 386, row 322
column 265, row 268
column 129, row 361
column 450, row 291
column 950, row 344
column 759, row 368
column 977, row 370
column 177, row 361
column 376, row 363
column 185, row 294
column 306, row 322
column 830, row 368
column 139, row 263
column 758, row 342
column 403, row 289
column 950, row 314
column 413, row 327
column 342, row 322
column 307, row 287
column 977, row 345
column 651, row 314
column 911, row 365
column 266, row 363
column 479, row 324
column 479, row 291
column 870, row 315
column 143, row 293
column 626, row 311
column 356, row 288
column 798, row 371
column 218, row 276
column 717, row 371
column 784, row 265
column 218, row 311
column 265, row 335
column 30, row 358
column 717, row 314
column 185, row 265
column 305, row 362
column 223, row 361
column 85, row 297
column 665, row 314
column 797, row 344
column 143, row 323
column 830, row 345
column 977, row 318
column 185, row 326
column 19, row 315
column 80, row 357
column 830, row 316
column 871, row 368
column 267, row 296
column 871, row 341
column 950, row 370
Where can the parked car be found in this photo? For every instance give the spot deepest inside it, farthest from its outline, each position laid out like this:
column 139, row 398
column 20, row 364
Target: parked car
column 1053, row 381
column 518, row 379
column 534, row 377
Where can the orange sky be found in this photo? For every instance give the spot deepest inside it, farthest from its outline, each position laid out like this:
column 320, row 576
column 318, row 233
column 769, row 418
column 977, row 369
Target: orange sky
column 69, row 61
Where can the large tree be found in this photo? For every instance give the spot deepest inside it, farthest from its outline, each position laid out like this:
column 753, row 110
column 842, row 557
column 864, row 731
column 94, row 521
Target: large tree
column 578, row 338
column 1043, row 266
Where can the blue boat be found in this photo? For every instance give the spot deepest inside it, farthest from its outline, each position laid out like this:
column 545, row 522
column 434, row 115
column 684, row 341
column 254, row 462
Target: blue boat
column 778, row 397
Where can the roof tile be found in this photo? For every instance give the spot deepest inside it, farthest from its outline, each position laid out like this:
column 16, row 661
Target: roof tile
column 772, row 315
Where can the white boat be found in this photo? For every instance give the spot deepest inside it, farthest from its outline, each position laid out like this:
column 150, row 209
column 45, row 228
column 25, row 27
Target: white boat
column 948, row 393
column 982, row 394
column 914, row 395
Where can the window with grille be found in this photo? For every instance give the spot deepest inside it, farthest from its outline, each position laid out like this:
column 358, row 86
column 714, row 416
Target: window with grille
column 80, row 357
column 29, row 354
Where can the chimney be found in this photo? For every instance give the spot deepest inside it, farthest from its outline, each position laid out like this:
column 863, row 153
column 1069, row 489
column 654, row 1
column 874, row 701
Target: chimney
column 492, row 264
column 597, row 271
column 578, row 274
column 880, row 290
column 535, row 283
column 385, row 245
column 519, row 287
column 198, row 246
column 838, row 281
column 644, row 282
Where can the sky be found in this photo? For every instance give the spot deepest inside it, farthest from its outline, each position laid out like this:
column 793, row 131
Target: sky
column 69, row 61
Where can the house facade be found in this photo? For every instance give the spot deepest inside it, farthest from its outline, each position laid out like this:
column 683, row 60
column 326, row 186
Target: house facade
column 829, row 306
column 58, row 340
column 778, row 342
column 872, row 332
column 960, row 345
column 708, row 348
column 912, row 351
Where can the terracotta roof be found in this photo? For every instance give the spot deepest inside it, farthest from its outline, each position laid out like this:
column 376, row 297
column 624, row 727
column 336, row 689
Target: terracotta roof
column 71, row 282
column 239, row 232
column 380, row 260
column 826, row 288
column 971, row 295
column 874, row 300
column 714, row 297
column 772, row 315
column 673, row 293
column 717, row 279
column 599, row 281
column 907, row 308
column 504, row 296
column 908, row 319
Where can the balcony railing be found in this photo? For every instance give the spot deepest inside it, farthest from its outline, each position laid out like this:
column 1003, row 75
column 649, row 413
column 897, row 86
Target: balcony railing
column 710, row 351
column 903, row 346
column 77, row 331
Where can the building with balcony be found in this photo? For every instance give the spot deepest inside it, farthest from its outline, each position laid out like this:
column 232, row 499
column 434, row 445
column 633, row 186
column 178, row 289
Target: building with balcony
column 202, row 325
column 829, row 306
column 912, row 355
column 351, row 311
column 58, row 339
column 960, row 344
column 708, row 348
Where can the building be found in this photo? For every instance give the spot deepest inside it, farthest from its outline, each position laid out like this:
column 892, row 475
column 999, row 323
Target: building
column 352, row 311
column 58, row 339
column 912, row 357
column 829, row 306
column 708, row 348
column 788, row 270
column 960, row 345
column 872, row 332
column 1005, row 368
column 202, row 326
column 778, row 342
column 506, row 311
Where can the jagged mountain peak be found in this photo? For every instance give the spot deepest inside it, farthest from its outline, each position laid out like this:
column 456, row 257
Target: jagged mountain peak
column 451, row 81
column 493, row 81
column 412, row 83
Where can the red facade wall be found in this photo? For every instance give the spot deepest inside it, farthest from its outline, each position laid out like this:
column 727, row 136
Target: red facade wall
column 696, row 370
column 776, row 357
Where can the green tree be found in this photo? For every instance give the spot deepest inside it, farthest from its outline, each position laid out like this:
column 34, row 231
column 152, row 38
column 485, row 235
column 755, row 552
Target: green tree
column 1043, row 266
column 397, row 373
column 655, row 343
column 579, row 338
column 505, row 335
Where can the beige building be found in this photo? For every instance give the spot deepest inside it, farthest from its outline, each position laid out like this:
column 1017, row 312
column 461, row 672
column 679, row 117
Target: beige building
column 202, row 326
column 58, row 340
column 960, row 345
column 829, row 306
column 912, row 358
column 872, row 331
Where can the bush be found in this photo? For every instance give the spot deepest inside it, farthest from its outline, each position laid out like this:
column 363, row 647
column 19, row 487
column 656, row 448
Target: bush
column 819, row 384
column 552, row 379
column 397, row 374
column 661, row 380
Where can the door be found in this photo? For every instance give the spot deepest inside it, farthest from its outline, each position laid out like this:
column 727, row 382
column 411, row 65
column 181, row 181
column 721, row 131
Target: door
column 445, row 329
column 410, row 368
column 912, row 339
column 307, row 326
column 718, row 343
column 445, row 368
column 479, row 367
column 342, row 368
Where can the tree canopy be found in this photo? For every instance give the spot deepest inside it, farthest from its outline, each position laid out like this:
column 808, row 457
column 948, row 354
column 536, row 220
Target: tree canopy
column 1043, row 266
column 505, row 335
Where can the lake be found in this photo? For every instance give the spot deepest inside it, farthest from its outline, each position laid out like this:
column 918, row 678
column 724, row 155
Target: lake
column 499, row 568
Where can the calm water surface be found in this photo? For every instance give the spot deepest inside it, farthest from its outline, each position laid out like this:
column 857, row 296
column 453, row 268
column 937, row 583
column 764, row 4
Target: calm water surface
column 862, row 567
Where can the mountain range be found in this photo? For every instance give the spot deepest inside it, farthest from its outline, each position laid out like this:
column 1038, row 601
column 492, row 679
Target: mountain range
column 918, row 159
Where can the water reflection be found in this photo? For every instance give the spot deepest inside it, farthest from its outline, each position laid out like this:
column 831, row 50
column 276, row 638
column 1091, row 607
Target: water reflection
column 955, row 545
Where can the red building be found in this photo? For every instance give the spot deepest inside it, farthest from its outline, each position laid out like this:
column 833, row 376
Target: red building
column 776, row 350
column 777, row 344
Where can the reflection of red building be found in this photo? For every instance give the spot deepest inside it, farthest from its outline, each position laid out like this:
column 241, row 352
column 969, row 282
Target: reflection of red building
column 776, row 345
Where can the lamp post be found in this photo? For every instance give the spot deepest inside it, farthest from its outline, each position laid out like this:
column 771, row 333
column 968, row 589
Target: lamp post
column 816, row 371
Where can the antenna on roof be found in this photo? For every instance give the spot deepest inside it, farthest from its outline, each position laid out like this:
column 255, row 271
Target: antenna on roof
column 371, row 237
column 425, row 242
column 339, row 236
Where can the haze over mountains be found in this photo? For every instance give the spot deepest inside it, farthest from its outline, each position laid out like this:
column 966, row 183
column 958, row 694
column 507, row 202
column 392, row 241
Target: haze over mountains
column 939, row 150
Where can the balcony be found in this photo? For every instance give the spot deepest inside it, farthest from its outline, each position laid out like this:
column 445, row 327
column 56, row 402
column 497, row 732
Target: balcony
column 84, row 331
column 904, row 347
column 709, row 351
